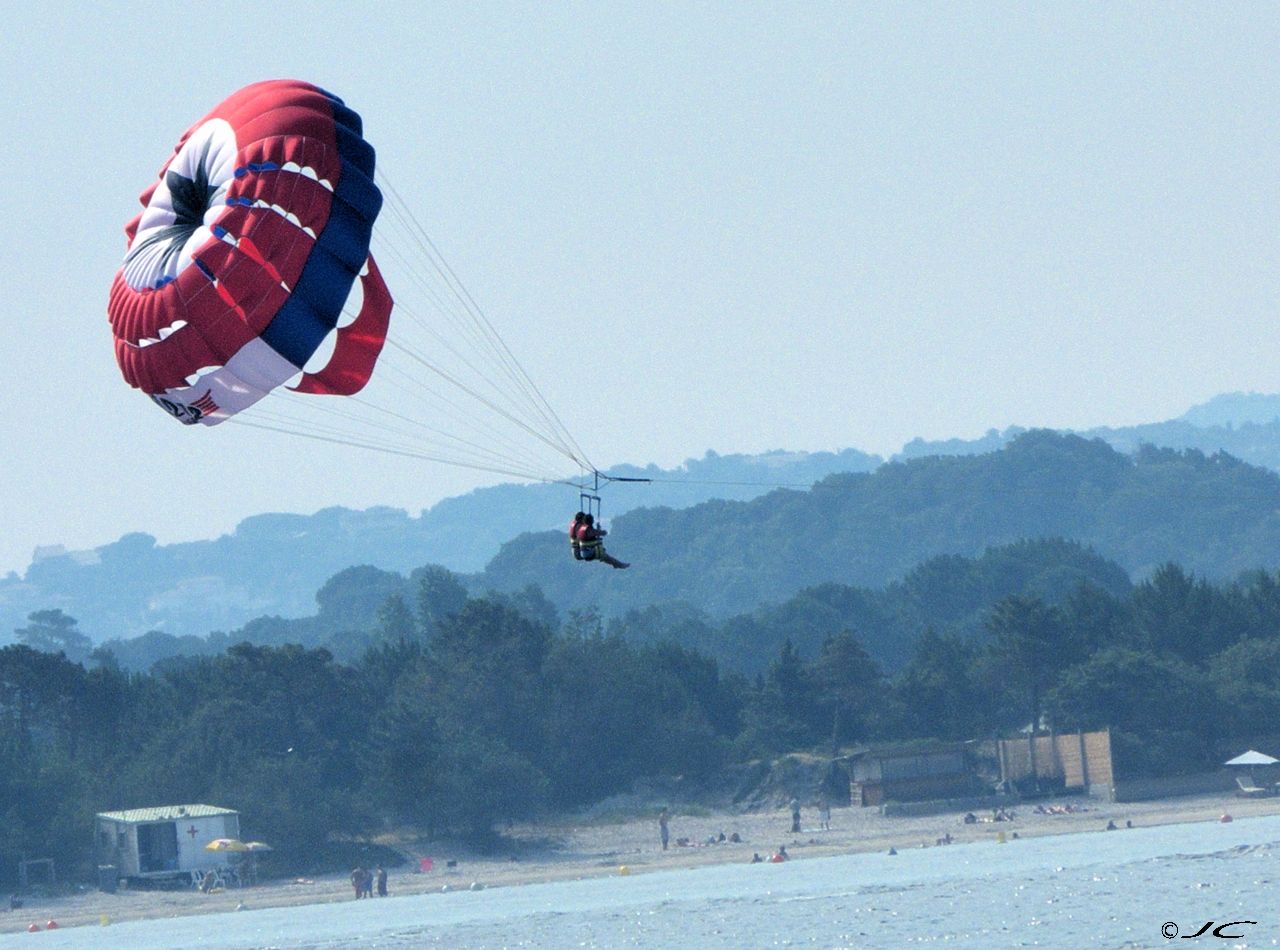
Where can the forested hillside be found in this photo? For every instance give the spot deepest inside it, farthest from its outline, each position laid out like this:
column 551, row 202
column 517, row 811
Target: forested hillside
column 274, row 563
column 1214, row 514
column 364, row 606
column 1245, row 425
column 726, row 556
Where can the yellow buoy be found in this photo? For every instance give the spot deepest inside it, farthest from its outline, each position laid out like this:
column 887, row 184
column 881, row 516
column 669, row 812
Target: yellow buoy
column 624, row 870
column 1000, row 837
column 104, row 920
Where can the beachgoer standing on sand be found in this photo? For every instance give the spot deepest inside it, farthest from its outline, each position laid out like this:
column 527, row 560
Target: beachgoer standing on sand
column 795, row 815
column 357, row 881
column 382, row 881
column 824, row 813
column 663, row 818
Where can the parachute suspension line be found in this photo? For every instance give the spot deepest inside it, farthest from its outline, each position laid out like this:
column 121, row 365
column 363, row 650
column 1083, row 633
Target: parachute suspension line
column 411, row 439
column 477, row 421
column 440, row 305
column 342, row 425
column 497, row 396
column 515, row 395
column 397, row 444
column 353, row 417
column 482, row 329
column 486, row 334
column 514, row 454
column 426, row 364
column 375, row 447
column 470, row 416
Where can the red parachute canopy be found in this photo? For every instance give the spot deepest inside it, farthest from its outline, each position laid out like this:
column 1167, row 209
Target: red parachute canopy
column 245, row 253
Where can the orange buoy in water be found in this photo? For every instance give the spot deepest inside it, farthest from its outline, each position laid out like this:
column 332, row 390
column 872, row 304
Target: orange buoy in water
column 33, row 929
column 51, row 925
column 1225, row 818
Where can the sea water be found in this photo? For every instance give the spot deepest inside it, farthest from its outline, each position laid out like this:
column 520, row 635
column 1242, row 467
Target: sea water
column 1213, row 884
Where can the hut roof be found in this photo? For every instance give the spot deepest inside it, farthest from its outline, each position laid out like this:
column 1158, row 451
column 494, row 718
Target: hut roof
column 166, row 813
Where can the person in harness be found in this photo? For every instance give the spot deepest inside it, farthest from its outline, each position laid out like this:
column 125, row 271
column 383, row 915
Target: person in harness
column 590, row 541
column 574, row 527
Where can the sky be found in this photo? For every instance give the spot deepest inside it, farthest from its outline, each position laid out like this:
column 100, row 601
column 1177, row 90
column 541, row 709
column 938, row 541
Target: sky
column 732, row 226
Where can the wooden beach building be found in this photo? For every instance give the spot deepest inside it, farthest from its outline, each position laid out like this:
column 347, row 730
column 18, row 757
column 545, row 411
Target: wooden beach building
column 910, row 774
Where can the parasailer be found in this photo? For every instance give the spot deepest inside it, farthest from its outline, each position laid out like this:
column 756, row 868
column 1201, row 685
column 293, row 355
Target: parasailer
column 586, row 531
column 591, row 543
column 247, row 247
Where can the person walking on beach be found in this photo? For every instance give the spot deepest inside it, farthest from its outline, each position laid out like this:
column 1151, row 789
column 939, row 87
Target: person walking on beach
column 663, row 831
column 357, row 881
column 795, row 815
column 382, row 881
column 824, row 813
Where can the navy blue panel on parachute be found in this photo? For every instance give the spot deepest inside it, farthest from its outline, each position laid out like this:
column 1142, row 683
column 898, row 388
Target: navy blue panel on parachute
column 351, row 145
column 313, row 309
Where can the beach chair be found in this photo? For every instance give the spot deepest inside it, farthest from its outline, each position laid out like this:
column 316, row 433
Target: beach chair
column 1249, row 790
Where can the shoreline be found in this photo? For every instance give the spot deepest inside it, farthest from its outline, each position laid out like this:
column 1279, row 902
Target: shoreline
column 565, row 850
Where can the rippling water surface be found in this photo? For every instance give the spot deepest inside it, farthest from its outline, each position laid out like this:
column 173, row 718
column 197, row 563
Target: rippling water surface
column 1120, row 889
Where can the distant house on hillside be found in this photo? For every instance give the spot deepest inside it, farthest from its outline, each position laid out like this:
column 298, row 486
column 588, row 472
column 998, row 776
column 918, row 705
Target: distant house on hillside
column 167, row 841
column 910, row 774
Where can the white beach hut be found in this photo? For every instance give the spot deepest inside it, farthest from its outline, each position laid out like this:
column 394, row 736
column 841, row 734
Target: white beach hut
column 167, row 841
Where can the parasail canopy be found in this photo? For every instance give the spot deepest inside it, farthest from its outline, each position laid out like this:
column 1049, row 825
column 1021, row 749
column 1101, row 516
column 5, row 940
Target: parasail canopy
column 245, row 253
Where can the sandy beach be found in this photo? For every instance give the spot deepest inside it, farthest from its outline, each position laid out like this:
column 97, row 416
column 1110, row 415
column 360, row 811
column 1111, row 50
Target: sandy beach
column 597, row 846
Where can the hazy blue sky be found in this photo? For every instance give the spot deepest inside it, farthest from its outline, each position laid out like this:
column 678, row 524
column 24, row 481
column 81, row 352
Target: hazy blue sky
column 800, row 225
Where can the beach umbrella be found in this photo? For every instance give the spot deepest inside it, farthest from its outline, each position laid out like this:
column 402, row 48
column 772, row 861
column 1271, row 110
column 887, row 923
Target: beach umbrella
column 1252, row 757
column 255, row 848
column 226, row 844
